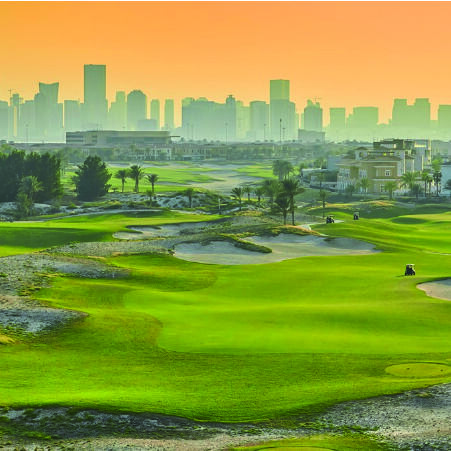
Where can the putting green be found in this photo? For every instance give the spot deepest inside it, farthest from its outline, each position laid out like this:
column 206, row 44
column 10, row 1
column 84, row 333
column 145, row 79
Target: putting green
column 295, row 448
column 419, row 370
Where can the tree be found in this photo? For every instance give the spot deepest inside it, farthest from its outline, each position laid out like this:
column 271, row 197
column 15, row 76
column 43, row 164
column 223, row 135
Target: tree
column 364, row 184
column 259, row 192
column 427, row 179
column 247, row 190
column 291, row 188
column 350, row 189
column 152, row 178
column 416, row 190
column 28, row 188
column 323, row 196
column 302, row 166
column 282, row 204
column 320, row 177
column 437, row 177
column 282, row 169
column 91, row 179
column 122, row 175
column 237, row 193
column 271, row 188
column 136, row 173
column 189, row 193
column 390, row 187
column 409, row 179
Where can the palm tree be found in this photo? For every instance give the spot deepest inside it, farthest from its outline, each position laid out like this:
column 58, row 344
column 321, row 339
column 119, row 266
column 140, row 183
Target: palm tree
column 237, row 193
column 291, row 187
column 152, row 178
column 425, row 177
column 122, row 174
column 390, row 187
column 437, row 177
column 259, row 192
column 302, row 166
column 247, row 190
column 136, row 173
column 283, row 205
column 416, row 190
column 189, row 193
column 408, row 179
column 323, row 195
column 271, row 188
column 29, row 186
column 350, row 189
column 364, row 183
column 320, row 178
column 282, row 169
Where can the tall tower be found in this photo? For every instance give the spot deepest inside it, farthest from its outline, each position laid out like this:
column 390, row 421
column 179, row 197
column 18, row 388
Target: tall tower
column 136, row 109
column 95, row 103
column 169, row 114
column 282, row 112
column 155, row 112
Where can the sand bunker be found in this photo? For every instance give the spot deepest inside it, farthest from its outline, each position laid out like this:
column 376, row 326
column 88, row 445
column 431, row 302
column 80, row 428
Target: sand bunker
column 284, row 247
column 419, row 370
column 440, row 289
column 145, row 232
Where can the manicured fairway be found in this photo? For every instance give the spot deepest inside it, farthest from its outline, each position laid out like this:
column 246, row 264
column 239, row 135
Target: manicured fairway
column 250, row 342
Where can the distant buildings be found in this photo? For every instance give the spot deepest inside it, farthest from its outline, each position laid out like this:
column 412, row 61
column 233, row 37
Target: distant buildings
column 169, row 114
column 95, row 105
column 136, row 109
column 282, row 112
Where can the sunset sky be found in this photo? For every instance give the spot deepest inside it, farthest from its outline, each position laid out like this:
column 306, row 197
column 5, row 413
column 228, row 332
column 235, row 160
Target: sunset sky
column 343, row 53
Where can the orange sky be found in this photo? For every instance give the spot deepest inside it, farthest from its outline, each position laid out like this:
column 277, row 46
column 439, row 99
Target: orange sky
column 345, row 53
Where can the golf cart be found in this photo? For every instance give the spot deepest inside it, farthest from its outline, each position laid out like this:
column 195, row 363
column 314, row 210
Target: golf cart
column 410, row 270
column 356, row 216
column 330, row 219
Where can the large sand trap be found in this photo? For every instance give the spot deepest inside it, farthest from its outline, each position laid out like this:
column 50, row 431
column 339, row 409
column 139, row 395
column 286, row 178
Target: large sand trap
column 165, row 230
column 284, row 247
column 440, row 289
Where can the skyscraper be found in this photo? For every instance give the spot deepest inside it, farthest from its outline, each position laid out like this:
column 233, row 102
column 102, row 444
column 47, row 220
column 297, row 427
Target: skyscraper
column 72, row 116
column 337, row 118
column 136, row 109
column 49, row 114
column 169, row 114
column 259, row 120
column 95, row 103
column 155, row 112
column 282, row 112
column 117, row 116
column 4, row 110
column 313, row 117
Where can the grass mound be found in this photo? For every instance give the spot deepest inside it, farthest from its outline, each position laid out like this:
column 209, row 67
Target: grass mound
column 419, row 370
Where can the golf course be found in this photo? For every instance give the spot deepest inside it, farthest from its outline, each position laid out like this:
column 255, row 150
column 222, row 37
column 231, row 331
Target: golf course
column 269, row 343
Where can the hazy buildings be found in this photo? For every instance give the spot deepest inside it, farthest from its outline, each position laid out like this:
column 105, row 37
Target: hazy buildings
column 95, row 103
column 4, row 112
column 136, row 109
column 313, row 117
column 169, row 114
column 444, row 119
column 282, row 112
column 155, row 112
column 337, row 118
column 258, row 120
column 117, row 115
column 72, row 115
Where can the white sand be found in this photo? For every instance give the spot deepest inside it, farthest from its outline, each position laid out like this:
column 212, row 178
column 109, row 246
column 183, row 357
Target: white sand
column 284, row 247
column 440, row 289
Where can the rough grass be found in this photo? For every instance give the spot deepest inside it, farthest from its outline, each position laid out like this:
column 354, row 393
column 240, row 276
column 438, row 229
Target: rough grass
column 242, row 342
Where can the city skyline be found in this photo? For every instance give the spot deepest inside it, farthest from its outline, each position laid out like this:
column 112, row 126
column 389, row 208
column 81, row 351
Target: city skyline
column 194, row 49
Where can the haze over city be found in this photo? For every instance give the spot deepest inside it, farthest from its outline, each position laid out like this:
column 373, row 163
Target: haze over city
column 374, row 53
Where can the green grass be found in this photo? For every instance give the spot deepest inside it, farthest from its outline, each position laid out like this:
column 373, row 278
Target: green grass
column 324, row 442
column 23, row 237
column 234, row 343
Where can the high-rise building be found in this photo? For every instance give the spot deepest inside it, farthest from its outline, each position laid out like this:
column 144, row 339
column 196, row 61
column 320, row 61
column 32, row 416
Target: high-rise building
column 48, row 112
column 337, row 118
column 4, row 113
column 259, row 120
column 95, row 105
column 72, row 116
column 282, row 112
column 444, row 118
column 117, row 116
column 365, row 117
column 27, row 121
column 415, row 118
column 136, row 109
column 313, row 117
column 155, row 112
column 15, row 103
column 169, row 114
